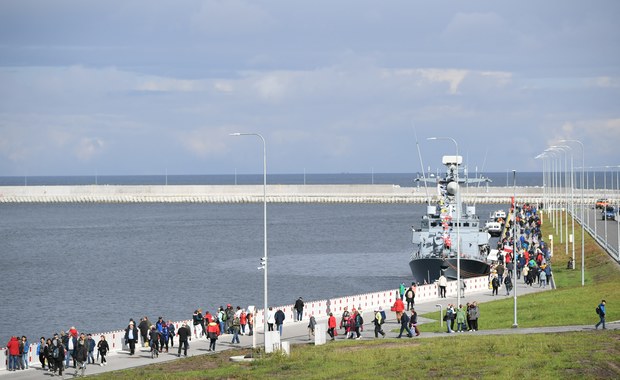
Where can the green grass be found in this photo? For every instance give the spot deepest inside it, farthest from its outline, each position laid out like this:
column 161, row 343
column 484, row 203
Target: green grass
column 575, row 355
column 569, row 304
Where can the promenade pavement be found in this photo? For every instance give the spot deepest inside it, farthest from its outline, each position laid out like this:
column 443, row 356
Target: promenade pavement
column 297, row 333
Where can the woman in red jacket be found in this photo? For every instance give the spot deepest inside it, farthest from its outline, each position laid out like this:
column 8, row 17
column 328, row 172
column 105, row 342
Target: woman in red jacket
column 213, row 331
column 331, row 325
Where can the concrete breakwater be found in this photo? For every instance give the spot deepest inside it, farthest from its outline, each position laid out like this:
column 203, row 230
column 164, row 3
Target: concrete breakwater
column 254, row 194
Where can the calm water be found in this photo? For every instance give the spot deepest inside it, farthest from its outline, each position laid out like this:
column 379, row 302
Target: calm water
column 96, row 265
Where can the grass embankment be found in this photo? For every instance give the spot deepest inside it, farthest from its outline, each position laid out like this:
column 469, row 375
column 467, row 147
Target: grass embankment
column 577, row 355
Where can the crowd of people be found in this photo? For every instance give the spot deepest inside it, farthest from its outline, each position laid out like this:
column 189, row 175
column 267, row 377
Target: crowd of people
column 56, row 353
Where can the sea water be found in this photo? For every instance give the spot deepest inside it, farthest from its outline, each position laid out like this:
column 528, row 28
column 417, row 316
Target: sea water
column 94, row 266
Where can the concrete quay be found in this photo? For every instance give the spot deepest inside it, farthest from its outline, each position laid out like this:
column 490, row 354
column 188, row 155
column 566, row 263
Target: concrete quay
column 254, row 194
column 297, row 333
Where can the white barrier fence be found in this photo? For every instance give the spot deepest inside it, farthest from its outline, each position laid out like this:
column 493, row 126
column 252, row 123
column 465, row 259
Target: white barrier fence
column 320, row 309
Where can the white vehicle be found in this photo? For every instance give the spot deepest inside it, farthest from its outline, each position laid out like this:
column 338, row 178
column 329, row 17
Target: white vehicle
column 493, row 228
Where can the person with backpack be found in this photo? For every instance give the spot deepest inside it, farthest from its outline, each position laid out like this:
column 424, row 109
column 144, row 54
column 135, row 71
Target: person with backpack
column 410, row 296
column 359, row 322
column 378, row 321
column 495, row 284
column 57, row 356
column 81, row 355
column 601, row 311
column 103, row 347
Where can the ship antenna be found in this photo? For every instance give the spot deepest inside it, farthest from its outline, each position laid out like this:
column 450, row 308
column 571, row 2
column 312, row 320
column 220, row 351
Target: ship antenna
column 484, row 162
column 428, row 201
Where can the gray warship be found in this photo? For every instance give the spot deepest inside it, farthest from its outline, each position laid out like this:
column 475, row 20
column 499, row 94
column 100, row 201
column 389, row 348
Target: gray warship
column 435, row 242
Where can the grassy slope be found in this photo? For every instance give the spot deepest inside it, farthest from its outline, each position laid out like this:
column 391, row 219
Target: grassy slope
column 575, row 355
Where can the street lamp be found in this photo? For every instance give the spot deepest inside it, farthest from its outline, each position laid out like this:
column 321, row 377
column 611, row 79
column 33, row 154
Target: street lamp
column 582, row 210
column 514, row 244
column 264, row 259
column 458, row 220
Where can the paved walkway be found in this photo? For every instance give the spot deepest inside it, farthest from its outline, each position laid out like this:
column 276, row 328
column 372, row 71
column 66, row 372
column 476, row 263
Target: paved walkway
column 296, row 333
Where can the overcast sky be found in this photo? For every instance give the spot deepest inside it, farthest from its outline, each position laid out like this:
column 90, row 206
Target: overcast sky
column 145, row 87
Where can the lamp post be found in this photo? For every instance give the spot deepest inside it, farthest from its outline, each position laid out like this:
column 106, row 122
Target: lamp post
column 514, row 244
column 582, row 210
column 458, row 220
column 264, row 259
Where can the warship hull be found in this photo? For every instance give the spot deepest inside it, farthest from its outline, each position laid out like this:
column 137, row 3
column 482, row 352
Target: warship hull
column 430, row 269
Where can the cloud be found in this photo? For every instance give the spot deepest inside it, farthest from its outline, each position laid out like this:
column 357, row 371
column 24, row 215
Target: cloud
column 205, row 141
column 87, row 147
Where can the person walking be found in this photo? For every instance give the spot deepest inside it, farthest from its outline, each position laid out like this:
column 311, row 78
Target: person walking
column 508, row 284
column 331, row 326
column 404, row 326
column 184, row 333
column 462, row 287
column 270, row 319
column 213, row 331
column 171, row 333
column 410, row 296
column 236, row 327
column 495, row 284
column 41, row 351
column 81, row 356
column 443, row 283
column 131, row 337
column 279, row 319
column 311, row 326
column 601, row 311
column 57, row 353
column 103, row 347
column 378, row 322
column 299, row 309
column 144, row 327
column 401, row 291
column 358, row 322
column 398, row 308
column 90, row 344
column 344, row 321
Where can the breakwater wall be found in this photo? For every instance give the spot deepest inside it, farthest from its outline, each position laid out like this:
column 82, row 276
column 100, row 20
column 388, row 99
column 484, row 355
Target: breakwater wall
column 320, row 309
column 254, row 194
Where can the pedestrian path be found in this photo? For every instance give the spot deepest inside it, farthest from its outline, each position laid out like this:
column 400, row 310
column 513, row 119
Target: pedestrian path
column 297, row 333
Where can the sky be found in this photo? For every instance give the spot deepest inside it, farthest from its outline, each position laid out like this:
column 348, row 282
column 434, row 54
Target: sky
column 151, row 87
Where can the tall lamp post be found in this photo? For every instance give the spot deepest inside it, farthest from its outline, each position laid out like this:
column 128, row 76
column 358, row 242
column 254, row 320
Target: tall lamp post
column 458, row 221
column 582, row 210
column 264, row 259
column 514, row 244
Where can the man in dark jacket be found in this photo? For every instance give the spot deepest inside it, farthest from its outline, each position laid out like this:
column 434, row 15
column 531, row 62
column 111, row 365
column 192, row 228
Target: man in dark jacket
column 131, row 337
column 143, row 326
column 279, row 317
column 299, row 308
column 404, row 326
column 184, row 334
